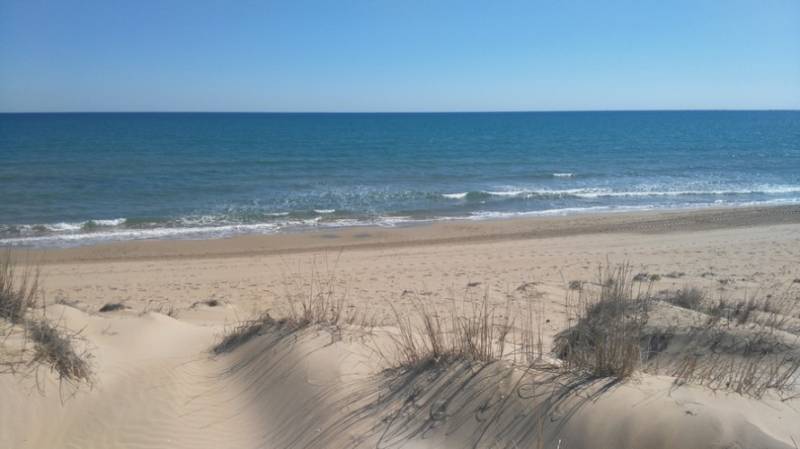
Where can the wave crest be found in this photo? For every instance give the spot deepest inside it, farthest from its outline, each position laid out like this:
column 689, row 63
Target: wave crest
column 600, row 192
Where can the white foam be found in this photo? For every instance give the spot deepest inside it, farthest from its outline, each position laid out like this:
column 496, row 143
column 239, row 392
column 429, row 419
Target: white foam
column 72, row 234
column 324, row 211
column 202, row 220
column 508, row 193
column 138, row 234
column 456, row 196
column 344, row 222
column 555, row 212
column 112, row 222
column 64, row 227
column 778, row 189
column 610, row 209
column 563, row 175
column 390, row 222
column 587, row 192
column 752, row 191
column 602, row 192
column 72, row 227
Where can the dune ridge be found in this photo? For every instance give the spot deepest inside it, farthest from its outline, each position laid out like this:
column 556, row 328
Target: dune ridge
column 159, row 383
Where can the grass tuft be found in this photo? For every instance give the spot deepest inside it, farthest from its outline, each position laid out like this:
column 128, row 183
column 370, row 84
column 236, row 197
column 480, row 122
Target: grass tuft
column 615, row 327
column 242, row 333
column 52, row 347
column 55, row 348
column 112, row 307
column 17, row 291
column 477, row 332
column 605, row 339
column 688, row 298
column 318, row 303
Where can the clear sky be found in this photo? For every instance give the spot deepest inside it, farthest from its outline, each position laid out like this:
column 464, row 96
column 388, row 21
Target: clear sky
column 398, row 55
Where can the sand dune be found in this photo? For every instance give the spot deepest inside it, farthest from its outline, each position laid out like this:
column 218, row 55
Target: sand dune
column 158, row 384
column 158, row 387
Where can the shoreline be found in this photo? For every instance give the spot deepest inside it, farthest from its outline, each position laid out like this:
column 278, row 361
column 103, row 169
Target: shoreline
column 151, row 313
column 435, row 233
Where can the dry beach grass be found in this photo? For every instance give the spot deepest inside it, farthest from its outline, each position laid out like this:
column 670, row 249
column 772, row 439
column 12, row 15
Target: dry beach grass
column 508, row 343
column 52, row 346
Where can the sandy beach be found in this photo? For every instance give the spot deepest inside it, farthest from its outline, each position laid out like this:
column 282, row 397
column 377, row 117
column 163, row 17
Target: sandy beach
column 157, row 385
column 385, row 225
column 747, row 246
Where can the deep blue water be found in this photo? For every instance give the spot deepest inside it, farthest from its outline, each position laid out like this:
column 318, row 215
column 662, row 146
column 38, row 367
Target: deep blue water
column 76, row 178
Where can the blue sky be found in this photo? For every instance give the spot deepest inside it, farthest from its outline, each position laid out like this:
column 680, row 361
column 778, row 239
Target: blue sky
column 400, row 55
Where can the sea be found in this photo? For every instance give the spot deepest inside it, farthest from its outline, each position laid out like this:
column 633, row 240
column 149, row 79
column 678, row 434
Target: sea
column 82, row 178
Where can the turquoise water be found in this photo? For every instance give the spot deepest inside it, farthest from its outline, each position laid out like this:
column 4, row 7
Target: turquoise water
column 69, row 179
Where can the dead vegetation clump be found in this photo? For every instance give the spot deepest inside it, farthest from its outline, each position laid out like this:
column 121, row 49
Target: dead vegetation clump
column 427, row 337
column 688, row 298
column 112, row 307
column 767, row 310
column 17, row 291
column 647, row 277
column 756, row 364
column 208, row 303
column 51, row 346
column 55, row 348
column 242, row 333
column 320, row 303
column 605, row 339
column 245, row 331
column 616, row 327
column 747, row 346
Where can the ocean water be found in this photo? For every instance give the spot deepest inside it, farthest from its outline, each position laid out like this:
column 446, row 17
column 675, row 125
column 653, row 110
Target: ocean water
column 72, row 179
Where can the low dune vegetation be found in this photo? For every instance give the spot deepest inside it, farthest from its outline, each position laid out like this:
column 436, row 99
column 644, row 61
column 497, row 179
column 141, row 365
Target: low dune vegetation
column 318, row 303
column 747, row 346
column 605, row 327
column 477, row 332
column 17, row 290
column 617, row 326
column 473, row 369
column 111, row 307
column 30, row 339
column 487, row 373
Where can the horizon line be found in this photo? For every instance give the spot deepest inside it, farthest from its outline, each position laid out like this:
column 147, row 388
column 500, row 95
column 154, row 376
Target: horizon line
column 488, row 111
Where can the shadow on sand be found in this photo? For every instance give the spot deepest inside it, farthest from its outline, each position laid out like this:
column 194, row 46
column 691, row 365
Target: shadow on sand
column 454, row 404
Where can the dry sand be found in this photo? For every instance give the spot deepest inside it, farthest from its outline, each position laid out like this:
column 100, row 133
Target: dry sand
column 156, row 384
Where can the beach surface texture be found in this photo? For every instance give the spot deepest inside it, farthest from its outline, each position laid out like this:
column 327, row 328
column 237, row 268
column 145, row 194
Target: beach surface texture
column 296, row 340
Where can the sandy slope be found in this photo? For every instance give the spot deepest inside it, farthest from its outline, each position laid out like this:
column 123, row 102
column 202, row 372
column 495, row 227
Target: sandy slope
column 158, row 387
column 157, row 384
